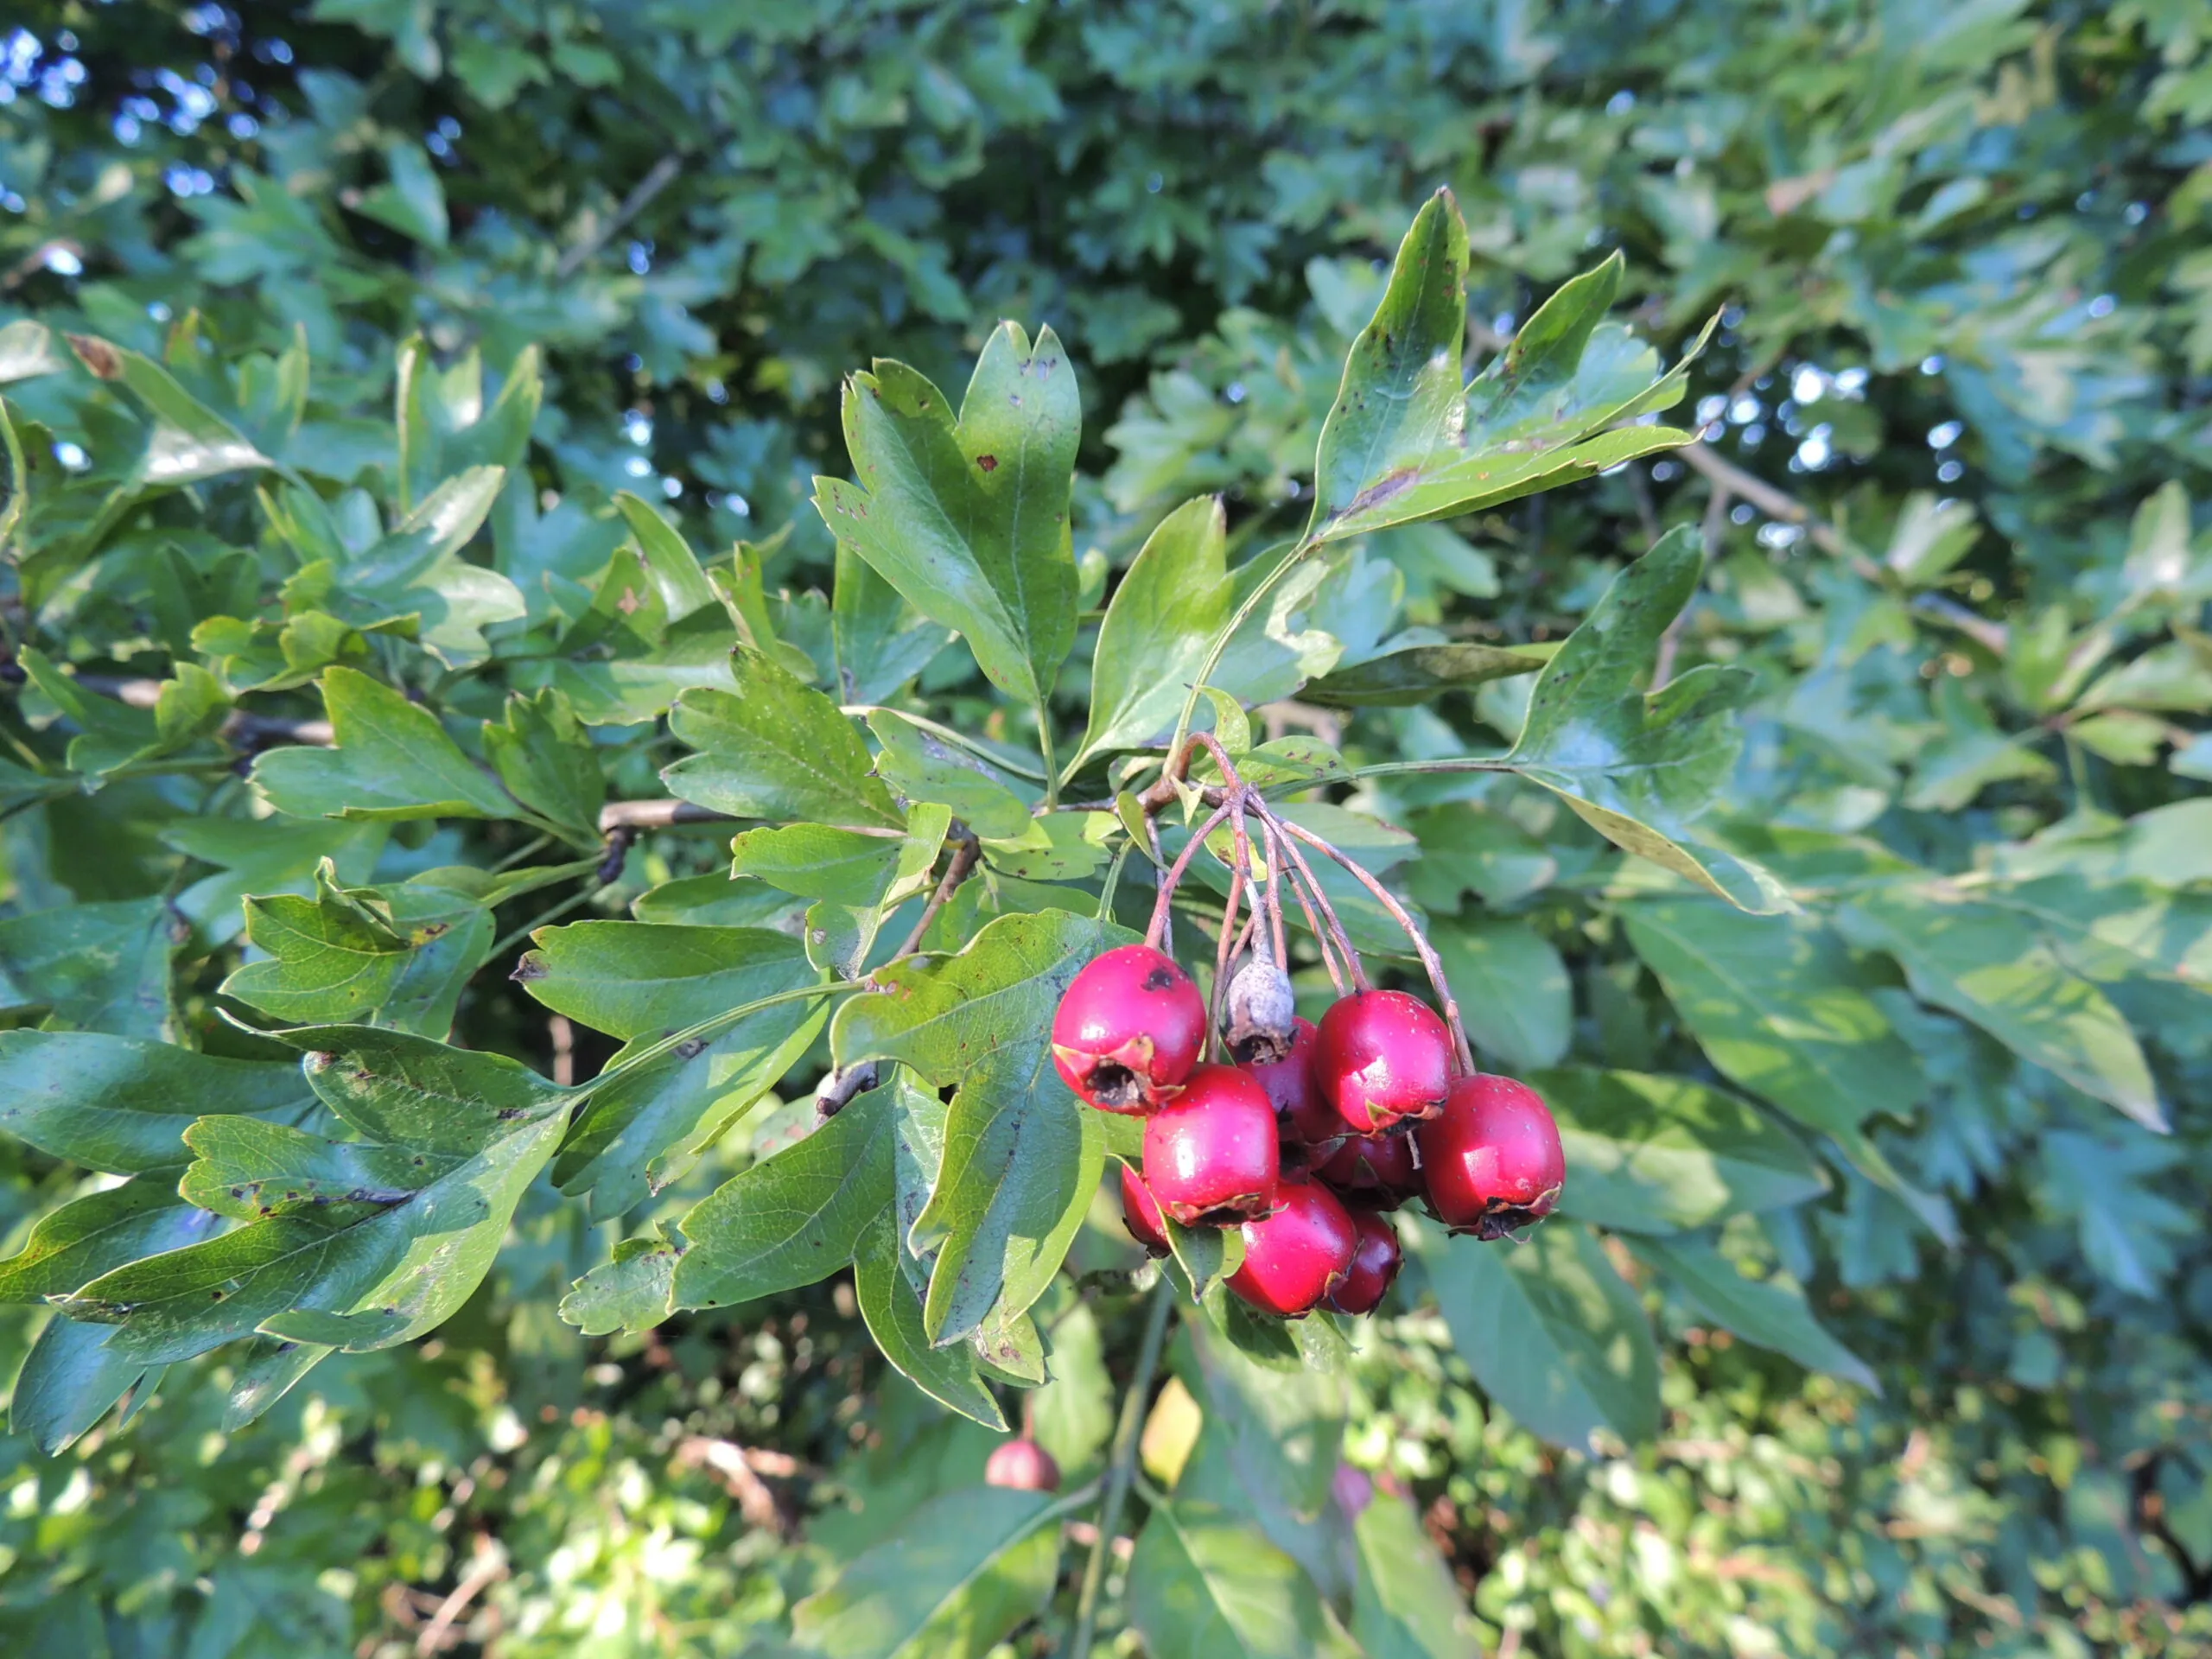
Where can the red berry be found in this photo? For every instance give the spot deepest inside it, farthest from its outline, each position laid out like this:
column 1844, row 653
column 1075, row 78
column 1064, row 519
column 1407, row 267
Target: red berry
column 1023, row 1465
column 1376, row 1259
column 1382, row 1057
column 1303, row 1117
column 1296, row 1257
column 1210, row 1153
column 1140, row 1214
column 1377, row 1169
column 1129, row 1029
column 1492, row 1162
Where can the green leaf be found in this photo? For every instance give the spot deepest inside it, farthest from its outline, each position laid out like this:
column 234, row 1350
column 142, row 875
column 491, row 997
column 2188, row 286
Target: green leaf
column 27, row 350
column 644, row 979
column 815, row 861
column 716, row 901
column 392, row 760
column 418, row 571
column 1550, row 1331
column 391, row 955
column 114, row 734
column 77, row 1242
column 68, row 1381
column 122, row 1105
column 189, row 441
column 1169, row 606
column 1417, row 674
column 632, row 1292
column 794, row 1218
column 1512, row 990
column 1203, row 1586
column 245, row 1168
column 1653, row 1154
column 775, row 748
column 1405, row 1605
column 102, row 968
column 1282, row 1431
column 961, row 1574
column 1997, row 968
column 969, row 521
column 880, row 642
column 401, row 1089
column 667, row 558
column 1403, row 443
column 1638, row 768
column 1020, row 1161
column 412, row 202
column 544, row 757
column 265, row 1374
column 641, row 685
column 922, row 768
column 1767, row 1312
column 893, row 1314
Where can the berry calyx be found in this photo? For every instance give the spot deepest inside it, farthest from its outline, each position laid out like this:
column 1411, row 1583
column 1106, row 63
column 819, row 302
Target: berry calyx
column 1376, row 1259
column 1259, row 1017
column 1303, row 1117
column 1374, row 1169
column 1129, row 1030
column 1492, row 1161
column 1296, row 1257
column 1140, row 1214
column 1023, row 1465
column 1382, row 1058
column 1210, row 1154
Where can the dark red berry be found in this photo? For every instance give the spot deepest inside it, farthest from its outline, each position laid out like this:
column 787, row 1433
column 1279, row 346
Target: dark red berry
column 1376, row 1259
column 1375, row 1169
column 1140, row 1214
column 1382, row 1058
column 1129, row 1029
column 1024, row 1465
column 1295, row 1257
column 1303, row 1117
column 1210, row 1153
column 1492, row 1162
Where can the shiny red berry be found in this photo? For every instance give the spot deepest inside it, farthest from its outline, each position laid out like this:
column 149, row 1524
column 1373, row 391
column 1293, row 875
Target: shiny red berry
column 1492, row 1162
column 1383, row 1058
column 1024, row 1465
column 1298, row 1256
column 1129, row 1029
column 1210, row 1154
column 1376, row 1259
column 1373, row 1169
column 1303, row 1117
column 1140, row 1214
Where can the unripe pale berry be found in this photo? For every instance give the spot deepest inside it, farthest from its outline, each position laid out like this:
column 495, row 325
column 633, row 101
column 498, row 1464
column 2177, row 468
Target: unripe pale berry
column 1382, row 1058
column 1129, row 1030
column 1024, row 1465
column 1373, row 1169
column 1140, row 1214
column 1296, row 1257
column 1303, row 1116
column 1492, row 1161
column 1210, row 1155
column 1376, row 1259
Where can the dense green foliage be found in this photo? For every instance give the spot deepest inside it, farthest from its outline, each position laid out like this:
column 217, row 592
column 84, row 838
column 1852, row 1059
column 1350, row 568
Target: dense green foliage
column 1936, row 710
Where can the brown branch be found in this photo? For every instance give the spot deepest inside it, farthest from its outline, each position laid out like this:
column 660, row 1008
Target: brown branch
column 655, row 815
column 640, row 197
column 489, row 1566
column 964, row 854
column 1748, row 487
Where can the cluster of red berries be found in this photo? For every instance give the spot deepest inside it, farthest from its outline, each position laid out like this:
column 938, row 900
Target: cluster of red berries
column 1309, row 1137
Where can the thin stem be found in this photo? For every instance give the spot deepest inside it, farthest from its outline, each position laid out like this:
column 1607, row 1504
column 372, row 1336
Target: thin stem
column 1223, row 948
column 1276, row 854
column 575, row 901
column 1352, row 965
column 1427, row 951
column 1045, row 748
column 1112, row 883
column 521, row 854
column 1166, row 923
column 1156, row 931
column 1275, row 901
column 963, row 861
column 1121, row 1468
column 1220, row 645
